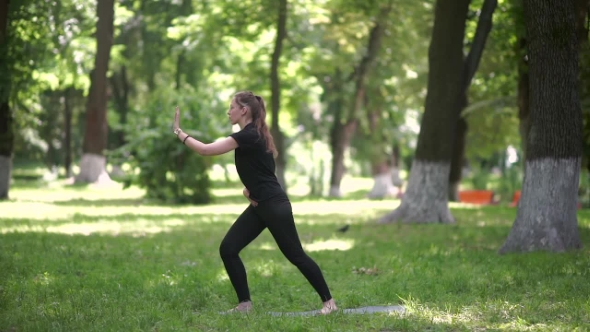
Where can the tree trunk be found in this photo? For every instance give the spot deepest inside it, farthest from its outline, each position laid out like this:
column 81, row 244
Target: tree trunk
column 484, row 26
column 68, row 132
column 396, row 166
column 383, row 166
column 120, row 85
column 92, row 166
column 275, row 85
column 6, row 129
column 426, row 198
column 340, row 140
column 547, row 211
column 342, row 133
column 523, row 100
column 6, row 147
column 383, row 185
column 457, row 160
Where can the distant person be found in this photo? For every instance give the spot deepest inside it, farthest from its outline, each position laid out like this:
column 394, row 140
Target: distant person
column 269, row 205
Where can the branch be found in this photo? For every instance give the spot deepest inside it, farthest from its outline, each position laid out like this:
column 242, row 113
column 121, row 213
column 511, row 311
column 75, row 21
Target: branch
column 484, row 26
column 497, row 103
column 361, row 71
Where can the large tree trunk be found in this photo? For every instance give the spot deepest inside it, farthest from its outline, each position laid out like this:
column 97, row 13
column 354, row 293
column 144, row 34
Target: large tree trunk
column 275, row 86
column 426, row 198
column 6, row 129
column 93, row 164
column 546, row 217
column 484, row 26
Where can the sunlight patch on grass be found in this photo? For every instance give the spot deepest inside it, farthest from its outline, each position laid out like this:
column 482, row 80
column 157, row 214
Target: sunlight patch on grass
column 41, row 211
column 267, row 246
column 267, row 268
column 138, row 227
column 222, row 275
column 496, row 315
column 43, row 279
column 332, row 244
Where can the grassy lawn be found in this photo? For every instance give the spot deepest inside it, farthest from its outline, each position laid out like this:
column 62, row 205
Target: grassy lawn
column 101, row 259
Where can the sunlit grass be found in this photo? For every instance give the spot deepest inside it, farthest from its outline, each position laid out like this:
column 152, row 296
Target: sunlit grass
column 105, row 259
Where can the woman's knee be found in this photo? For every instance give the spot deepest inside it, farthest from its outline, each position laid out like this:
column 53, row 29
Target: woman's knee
column 226, row 249
column 297, row 257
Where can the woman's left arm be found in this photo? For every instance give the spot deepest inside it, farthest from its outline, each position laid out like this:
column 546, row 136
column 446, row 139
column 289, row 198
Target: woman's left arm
column 212, row 149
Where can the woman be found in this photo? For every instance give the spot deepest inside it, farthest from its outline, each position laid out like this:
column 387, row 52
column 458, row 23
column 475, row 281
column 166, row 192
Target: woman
column 269, row 205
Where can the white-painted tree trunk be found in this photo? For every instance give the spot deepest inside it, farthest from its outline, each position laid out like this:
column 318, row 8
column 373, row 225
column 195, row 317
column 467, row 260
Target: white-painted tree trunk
column 93, row 169
column 5, row 171
column 385, row 184
column 547, row 210
column 335, row 191
column 426, row 198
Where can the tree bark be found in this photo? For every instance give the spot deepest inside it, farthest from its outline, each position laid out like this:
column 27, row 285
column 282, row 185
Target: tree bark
column 523, row 100
column 383, row 166
column 342, row 131
column 484, row 26
column 68, row 132
column 120, row 85
column 341, row 135
column 92, row 166
column 6, row 128
column 426, row 197
column 275, row 86
column 547, row 211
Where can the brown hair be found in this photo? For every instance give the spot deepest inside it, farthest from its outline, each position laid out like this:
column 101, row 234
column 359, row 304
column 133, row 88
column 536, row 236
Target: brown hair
column 258, row 112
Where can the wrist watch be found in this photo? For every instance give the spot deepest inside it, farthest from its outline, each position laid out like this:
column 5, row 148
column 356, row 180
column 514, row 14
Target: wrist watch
column 177, row 131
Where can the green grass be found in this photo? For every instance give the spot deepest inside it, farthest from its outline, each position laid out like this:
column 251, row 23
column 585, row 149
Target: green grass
column 102, row 259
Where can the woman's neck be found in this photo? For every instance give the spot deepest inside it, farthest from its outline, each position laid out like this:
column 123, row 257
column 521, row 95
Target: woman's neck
column 244, row 122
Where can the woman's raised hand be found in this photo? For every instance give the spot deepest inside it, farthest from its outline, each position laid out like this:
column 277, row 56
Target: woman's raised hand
column 176, row 125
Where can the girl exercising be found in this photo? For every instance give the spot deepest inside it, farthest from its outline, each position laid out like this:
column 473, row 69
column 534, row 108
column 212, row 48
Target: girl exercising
column 269, row 205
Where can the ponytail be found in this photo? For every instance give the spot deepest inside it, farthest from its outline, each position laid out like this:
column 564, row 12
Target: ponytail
column 258, row 113
column 263, row 130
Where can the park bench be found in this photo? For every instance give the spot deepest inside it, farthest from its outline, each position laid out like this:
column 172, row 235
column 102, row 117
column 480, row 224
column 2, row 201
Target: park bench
column 479, row 197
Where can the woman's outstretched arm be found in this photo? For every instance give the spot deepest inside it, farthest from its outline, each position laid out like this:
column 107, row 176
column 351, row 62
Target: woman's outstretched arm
column 212, row 149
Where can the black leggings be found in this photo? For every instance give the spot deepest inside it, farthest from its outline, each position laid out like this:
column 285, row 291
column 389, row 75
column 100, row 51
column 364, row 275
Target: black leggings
column 277, row 215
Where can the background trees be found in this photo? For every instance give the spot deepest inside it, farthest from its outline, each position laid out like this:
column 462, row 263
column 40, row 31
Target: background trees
column 423, row 98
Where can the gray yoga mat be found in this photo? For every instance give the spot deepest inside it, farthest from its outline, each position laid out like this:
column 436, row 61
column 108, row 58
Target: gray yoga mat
column 362, row 310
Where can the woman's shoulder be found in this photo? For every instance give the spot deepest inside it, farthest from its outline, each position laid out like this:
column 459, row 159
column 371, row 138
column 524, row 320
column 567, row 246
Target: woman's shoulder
column 247, row 136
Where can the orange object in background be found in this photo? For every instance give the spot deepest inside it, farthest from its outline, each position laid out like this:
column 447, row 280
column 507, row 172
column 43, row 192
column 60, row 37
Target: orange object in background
column 480, row 197
column 515, row 198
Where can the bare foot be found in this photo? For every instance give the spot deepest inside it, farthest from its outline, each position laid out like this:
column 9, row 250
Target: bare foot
column 329, row 306
column 242, row 307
